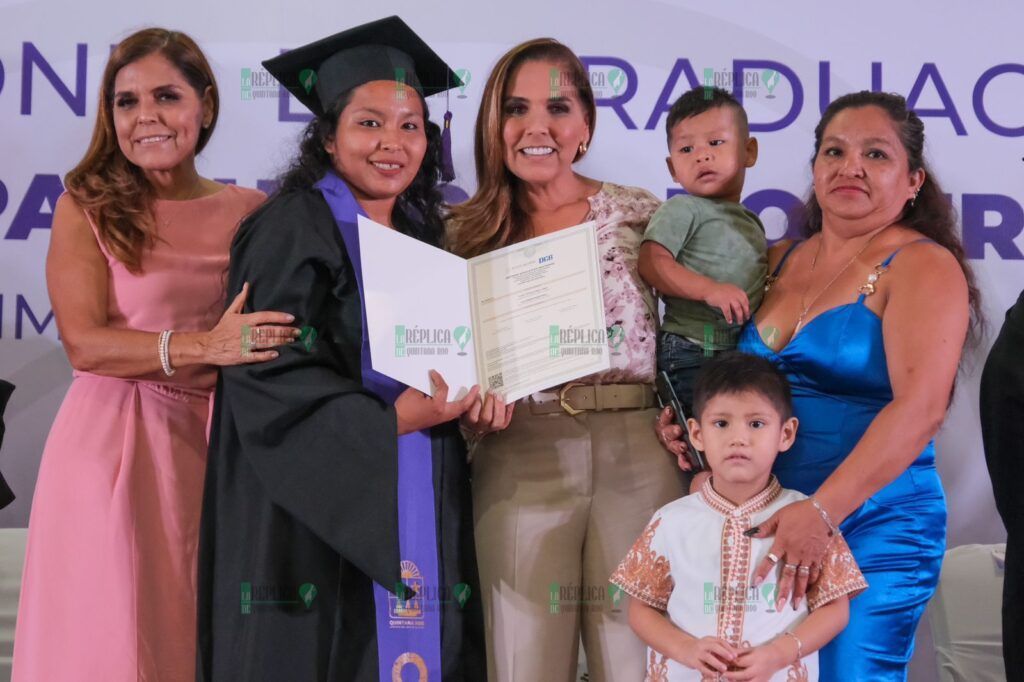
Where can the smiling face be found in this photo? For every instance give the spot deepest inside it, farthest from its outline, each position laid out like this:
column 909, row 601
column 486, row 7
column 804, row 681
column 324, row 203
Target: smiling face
column 544, row 123
column 741, row 434
column 861, row 171
column 709, row 154
column 380, row 140
column 157, row 114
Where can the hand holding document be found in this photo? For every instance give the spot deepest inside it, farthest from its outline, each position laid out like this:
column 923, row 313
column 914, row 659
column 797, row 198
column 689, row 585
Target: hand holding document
column 515, row 321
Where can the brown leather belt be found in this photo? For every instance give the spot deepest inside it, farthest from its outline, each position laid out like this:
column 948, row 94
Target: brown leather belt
column 576, row 398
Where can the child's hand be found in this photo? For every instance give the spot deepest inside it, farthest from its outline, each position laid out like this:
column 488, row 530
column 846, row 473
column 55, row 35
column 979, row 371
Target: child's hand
column 760, row 663
column 731, row 300
column 709, row 655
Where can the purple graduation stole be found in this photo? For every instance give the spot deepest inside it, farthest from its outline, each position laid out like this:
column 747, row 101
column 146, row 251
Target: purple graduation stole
column 408, row 632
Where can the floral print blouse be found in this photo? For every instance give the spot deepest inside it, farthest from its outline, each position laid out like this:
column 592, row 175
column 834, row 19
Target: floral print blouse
column 631, row 308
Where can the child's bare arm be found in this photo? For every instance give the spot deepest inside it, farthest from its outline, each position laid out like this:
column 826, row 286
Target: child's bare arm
column 659, row 268
column 817, row 630
column 707, row 654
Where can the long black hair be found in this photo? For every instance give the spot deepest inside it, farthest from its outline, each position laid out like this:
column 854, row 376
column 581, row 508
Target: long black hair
column 931, row 213
column 418, row 210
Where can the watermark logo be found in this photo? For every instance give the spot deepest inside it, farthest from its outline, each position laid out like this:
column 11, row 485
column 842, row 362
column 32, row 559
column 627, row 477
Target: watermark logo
column 258, row 84
column 276, row 595
column 616, row 335
column 462, row 593
column 584, row 598
column 617, row 79
column 770, row 592
column 307, row 77
column 751, row 597
column 717, row 339
column 407, row 613
column 399, row 83
column 771, row 79
column 750, row 82
column 770, row 335
column 307, row 593
column 605, row 83
column 308, row 337
column 416, row 340
column 615, row 594
column 564, row 342
column 462, row 336
column 554, row 79
column 413, row 598
column 464, row 77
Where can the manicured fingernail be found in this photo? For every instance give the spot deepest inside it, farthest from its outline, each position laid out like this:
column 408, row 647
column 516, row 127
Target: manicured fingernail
column 273, row 354
column 758, row 580
column 751, row 532
column 291, row 318
column 796, row 603
column 779, row 604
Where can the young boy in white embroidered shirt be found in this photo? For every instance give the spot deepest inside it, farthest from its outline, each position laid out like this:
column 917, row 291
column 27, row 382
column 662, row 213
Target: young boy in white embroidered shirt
column 691, row 570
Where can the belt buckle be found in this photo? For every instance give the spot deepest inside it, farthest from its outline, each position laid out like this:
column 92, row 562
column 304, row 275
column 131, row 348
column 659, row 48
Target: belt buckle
column 564, row 401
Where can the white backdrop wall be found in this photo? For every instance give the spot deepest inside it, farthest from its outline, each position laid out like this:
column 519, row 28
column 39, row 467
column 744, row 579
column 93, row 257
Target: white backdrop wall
column 960, row 65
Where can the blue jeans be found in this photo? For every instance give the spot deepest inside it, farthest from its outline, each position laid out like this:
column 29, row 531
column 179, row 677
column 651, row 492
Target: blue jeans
column 682, row 360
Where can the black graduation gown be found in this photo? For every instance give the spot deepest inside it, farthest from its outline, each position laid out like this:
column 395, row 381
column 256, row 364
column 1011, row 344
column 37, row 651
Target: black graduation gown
column 1002, row 430
column 6, row 389
column 301, row 480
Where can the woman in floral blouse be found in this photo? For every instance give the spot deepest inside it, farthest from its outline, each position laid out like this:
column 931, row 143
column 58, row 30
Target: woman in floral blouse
column 560, row 495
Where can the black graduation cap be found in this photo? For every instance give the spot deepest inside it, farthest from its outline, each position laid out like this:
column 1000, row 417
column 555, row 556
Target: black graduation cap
column 386, row 49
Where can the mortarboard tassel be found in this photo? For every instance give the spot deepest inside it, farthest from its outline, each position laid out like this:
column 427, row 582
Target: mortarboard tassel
column 447, row 167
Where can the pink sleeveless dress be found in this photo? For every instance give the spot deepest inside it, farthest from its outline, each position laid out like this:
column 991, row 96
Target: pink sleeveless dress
column 109, row 587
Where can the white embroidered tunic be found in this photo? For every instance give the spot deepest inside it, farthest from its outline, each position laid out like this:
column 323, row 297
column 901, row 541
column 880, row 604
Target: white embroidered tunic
column 693, row 562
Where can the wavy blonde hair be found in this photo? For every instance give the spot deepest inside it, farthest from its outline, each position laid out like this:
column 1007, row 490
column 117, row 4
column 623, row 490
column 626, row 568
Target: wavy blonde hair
column 491, row 218
column 105, row 183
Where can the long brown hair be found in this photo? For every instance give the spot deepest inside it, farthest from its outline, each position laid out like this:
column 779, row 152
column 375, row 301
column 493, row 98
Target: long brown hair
column 492, row 218
column 931, row 213
column 107, row 185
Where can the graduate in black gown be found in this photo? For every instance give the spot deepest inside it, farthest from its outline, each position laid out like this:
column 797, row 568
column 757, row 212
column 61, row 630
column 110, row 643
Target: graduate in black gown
column 6, row 389
column 301, row 554
column 1002, row 430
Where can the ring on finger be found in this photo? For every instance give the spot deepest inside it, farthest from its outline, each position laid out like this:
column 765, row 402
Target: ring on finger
column 804, row 570
column 773, row 558
column 790, row 568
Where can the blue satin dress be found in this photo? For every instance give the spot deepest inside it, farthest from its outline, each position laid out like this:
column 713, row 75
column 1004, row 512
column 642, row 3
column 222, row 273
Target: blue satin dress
column 837, row 369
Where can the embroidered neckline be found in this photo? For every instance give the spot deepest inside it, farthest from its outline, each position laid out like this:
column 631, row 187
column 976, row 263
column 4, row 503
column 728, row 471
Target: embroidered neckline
column 754, row 504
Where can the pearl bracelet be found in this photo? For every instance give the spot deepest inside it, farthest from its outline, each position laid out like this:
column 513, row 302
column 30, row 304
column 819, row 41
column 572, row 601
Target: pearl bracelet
column 163, row 348
column 832, row 530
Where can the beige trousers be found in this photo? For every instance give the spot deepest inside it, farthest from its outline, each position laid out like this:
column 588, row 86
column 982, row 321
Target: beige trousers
column 558, row 501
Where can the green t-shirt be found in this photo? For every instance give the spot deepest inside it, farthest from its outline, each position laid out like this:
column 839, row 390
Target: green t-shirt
column 718, row 239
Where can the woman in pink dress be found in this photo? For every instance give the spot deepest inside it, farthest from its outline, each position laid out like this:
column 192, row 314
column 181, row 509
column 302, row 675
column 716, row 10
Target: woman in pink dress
column 138, row 255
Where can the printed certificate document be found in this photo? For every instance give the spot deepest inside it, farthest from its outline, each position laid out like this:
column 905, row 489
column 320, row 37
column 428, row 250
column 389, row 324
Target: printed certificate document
column 515, row 321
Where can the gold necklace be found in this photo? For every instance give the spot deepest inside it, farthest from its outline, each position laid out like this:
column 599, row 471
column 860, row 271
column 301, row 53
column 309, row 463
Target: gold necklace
column 814, row 262
column 166, row 222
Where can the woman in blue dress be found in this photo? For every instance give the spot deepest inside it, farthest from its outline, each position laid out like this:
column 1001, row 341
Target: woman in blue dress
column 868, row 318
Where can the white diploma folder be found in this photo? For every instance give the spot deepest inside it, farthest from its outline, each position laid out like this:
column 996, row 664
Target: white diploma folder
column 517, row 320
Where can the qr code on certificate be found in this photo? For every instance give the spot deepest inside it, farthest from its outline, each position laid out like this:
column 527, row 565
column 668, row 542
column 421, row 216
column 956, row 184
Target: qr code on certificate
column 496, row 381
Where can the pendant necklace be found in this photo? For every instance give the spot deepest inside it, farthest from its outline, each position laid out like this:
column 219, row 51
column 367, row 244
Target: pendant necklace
column 814, row 262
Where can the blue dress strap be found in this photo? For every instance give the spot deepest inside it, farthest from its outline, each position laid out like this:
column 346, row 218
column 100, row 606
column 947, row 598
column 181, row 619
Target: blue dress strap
column 778, row 267
column 892, row 255
column 869, row 286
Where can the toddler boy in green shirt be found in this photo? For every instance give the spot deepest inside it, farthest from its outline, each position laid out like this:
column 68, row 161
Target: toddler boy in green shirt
column 703, row 251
